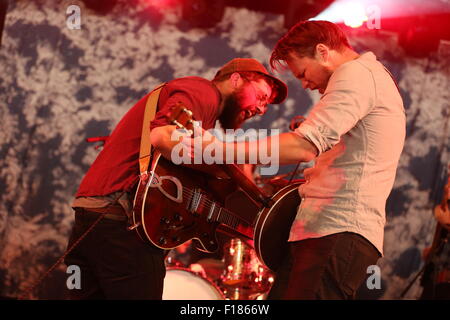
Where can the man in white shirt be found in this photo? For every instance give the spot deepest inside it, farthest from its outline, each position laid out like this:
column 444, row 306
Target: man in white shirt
column 357, row 131
column 355, row 134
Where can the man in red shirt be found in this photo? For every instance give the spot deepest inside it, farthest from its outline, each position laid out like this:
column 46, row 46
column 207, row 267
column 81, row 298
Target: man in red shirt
column 114, row 263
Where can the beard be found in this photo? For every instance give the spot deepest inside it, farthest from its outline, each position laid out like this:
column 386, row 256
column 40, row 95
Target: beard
column 232, row 115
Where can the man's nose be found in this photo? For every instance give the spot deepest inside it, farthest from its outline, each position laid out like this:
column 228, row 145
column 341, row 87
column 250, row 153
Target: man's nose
column 261, row 109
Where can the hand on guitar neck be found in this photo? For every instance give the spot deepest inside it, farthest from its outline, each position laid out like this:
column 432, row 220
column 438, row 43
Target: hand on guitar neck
column 163, row 143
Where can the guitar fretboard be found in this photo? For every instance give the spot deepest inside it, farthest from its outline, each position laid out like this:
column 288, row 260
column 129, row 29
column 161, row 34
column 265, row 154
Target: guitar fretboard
column 198, row 203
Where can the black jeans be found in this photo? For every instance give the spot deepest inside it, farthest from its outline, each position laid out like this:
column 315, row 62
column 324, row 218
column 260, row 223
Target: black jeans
column 114, row 262
column 330, row 267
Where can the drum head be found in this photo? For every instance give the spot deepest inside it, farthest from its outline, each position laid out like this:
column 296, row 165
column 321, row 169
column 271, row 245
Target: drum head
column 183, row 284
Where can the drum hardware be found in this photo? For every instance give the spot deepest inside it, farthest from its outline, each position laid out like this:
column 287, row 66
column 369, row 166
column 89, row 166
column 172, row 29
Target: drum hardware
column 244, row 276
column 240, row 276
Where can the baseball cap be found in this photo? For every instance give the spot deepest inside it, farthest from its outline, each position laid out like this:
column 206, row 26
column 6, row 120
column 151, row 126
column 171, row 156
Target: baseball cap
column 252, row 65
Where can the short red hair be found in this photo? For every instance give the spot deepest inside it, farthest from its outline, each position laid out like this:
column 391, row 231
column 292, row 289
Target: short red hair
column 303, row 38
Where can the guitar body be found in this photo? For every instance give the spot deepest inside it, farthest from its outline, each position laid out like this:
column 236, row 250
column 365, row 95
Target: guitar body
column 273, row 226
column 175, row 208
column 165, row 219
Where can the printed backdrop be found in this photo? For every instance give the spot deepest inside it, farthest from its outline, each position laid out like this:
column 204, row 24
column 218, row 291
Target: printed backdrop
column 59, row 86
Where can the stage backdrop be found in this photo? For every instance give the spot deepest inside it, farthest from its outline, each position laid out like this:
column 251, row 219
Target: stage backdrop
column 59, row 86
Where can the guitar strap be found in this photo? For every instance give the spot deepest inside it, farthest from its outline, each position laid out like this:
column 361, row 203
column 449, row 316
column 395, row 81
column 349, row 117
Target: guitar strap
column 149, row 115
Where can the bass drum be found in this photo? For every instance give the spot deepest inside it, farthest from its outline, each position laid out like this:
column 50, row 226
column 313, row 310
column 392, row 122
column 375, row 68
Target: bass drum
column 183, row 284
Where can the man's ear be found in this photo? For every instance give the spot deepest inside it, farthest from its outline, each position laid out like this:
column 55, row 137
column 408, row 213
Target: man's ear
column 322, row 52
column 234, row 79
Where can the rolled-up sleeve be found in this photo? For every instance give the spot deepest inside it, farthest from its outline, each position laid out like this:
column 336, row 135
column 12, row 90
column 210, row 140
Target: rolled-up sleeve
column 350, row 96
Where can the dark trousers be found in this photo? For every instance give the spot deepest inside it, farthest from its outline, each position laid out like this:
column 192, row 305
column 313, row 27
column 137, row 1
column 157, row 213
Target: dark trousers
column 331, row 267
column 114, row 262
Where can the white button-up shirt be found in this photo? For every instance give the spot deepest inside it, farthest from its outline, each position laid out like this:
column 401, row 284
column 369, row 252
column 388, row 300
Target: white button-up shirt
column 358, row 126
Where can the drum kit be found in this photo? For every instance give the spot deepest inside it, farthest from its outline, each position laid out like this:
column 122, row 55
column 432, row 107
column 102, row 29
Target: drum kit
column 239, row 275
column 243, row 277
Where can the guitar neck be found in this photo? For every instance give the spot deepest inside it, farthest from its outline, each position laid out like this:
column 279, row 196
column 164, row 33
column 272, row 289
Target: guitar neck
column 214, row 212
column 232, row 221
column 222, row 215
column 249, row 187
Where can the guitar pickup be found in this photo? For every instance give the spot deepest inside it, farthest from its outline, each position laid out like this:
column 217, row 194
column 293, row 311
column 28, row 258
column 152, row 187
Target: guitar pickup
column 195, row 201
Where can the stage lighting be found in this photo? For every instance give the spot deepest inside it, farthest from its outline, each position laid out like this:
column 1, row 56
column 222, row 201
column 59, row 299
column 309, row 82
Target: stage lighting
column 163, row 4
column 354, row 15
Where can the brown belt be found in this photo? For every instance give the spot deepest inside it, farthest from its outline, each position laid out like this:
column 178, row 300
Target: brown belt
column 112, row 212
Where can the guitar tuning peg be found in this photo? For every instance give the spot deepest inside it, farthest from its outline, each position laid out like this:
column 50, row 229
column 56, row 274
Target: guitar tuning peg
column 175, row 122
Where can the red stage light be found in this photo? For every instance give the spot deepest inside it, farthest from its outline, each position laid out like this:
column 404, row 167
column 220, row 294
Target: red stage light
column 351, row 13
column 161, row 3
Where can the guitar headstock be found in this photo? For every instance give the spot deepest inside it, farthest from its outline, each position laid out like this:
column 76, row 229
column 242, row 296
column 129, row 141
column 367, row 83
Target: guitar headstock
column 181, row 116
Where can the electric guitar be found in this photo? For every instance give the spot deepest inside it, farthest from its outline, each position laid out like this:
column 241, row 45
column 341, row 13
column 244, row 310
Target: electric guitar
column 175, row 204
